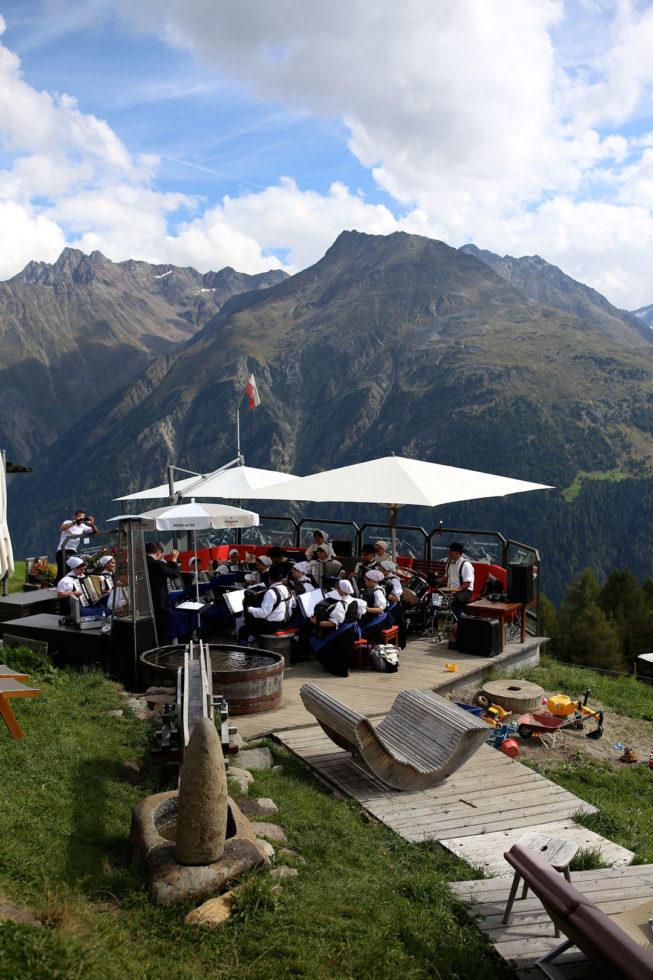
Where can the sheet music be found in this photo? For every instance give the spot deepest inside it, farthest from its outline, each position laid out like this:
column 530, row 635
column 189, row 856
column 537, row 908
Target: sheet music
column 234, row 600
column 191, row 606
column 309, row 600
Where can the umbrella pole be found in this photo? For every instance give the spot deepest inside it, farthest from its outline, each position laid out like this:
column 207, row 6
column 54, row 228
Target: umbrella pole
column 394, row 513
column 197, row 578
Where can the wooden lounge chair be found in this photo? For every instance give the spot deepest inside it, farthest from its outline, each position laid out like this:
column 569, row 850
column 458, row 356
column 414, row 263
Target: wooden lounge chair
column 422, row 740
column 11, row 686
column 603, row 940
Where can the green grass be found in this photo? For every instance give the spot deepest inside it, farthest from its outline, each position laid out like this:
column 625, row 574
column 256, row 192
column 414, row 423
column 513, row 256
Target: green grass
column 612, row 476
column 622, row 794
column 366, row 904
column 17, row 580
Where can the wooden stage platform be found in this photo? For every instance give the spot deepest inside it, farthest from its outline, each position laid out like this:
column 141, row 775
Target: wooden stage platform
column 421, row 666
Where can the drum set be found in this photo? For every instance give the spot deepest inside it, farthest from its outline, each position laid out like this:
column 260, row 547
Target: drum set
column 427, row 611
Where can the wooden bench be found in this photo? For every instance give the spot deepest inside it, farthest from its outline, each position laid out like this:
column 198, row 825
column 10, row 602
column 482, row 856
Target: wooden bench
column 604, row 942
column 422, row 740
column 12, row 686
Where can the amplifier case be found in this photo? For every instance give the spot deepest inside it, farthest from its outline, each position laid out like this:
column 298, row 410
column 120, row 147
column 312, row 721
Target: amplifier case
column 520, row 583
column 479, row 636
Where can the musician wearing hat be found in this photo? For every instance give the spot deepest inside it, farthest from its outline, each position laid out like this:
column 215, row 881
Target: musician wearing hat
column 459, row 579
column 323, row 567
column 70, row 584
column 344, row 596
column 107, row 566
column 333, row 624
column 368, row 561
column 391, row 583
column 374, row 602
column 320, row 540
column 300, row 580
column 262, row 565
column 231, row 565
column 393, row 590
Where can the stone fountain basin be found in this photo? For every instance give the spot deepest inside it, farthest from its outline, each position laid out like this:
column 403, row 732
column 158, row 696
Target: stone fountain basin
column 153, row 836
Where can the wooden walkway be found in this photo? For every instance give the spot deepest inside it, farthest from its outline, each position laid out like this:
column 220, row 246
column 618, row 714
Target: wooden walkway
column 530, row 932
column 421, row 667
column 489, row 793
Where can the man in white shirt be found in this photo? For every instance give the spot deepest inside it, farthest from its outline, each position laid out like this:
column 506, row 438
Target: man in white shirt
column 72, row 531
column 459, row 577
column 273, row 613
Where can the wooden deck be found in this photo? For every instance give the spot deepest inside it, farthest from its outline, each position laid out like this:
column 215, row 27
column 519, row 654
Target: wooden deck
column 421, row 667
column 530, row 932
column 489, row 793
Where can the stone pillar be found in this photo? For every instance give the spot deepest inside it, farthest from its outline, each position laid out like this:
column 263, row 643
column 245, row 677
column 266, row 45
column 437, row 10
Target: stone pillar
column 203, row 805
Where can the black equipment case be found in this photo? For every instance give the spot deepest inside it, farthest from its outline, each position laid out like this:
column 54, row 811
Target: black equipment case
column 478, row 635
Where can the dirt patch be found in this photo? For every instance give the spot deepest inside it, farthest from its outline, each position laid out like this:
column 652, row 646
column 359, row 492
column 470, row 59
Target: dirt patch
column 572, row 745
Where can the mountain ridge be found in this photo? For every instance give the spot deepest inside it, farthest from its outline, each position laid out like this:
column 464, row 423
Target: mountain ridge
column 70, row 329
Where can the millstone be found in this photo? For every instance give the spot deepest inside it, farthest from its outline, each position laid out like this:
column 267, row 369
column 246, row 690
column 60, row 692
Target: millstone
column 515, row 696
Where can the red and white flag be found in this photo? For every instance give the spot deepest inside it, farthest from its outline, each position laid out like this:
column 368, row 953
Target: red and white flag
column 252, row 392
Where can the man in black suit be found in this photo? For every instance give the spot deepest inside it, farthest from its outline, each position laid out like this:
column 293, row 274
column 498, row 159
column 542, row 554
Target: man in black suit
column 159, row 571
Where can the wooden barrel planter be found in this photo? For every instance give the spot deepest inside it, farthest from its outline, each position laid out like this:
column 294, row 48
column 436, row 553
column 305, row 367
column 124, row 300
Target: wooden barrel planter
column 250, row 680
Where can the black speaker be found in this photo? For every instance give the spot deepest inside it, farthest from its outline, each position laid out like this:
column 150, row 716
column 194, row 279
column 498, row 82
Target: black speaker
column 520, row 583
column 128, row 641
column 342, row 548
column 479, row 636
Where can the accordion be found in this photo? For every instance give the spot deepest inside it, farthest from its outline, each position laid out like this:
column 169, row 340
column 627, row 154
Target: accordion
column 368, row 596
column 91, row 586
column 254, row 595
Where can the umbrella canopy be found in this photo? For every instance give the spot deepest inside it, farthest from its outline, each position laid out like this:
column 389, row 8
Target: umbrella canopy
column 6, row 552
column 235, row 483
column 196, row 517
column 395, row 481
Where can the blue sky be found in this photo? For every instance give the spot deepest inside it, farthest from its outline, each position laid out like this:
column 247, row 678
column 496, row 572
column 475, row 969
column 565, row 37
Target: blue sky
column 211, row 133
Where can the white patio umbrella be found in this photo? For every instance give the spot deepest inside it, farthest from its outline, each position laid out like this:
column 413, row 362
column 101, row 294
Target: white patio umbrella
column 396, row 481
column 6, row 551
column 195, row 517
column 234, row 483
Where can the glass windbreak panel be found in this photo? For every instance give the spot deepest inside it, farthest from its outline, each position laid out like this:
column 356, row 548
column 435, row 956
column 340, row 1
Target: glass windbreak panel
column 410, row 541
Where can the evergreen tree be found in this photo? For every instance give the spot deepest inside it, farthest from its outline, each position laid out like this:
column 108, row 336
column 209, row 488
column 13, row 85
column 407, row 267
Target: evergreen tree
column 584, row 635
column 625, row 603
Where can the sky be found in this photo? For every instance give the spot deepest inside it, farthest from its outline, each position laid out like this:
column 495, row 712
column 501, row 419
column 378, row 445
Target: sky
column 250, row 133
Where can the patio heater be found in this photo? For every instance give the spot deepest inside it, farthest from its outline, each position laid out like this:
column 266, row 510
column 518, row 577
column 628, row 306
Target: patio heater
column 133, row 629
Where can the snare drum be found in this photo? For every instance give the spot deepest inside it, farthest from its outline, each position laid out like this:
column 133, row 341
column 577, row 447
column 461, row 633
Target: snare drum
column 415, row 590
column 440, row 601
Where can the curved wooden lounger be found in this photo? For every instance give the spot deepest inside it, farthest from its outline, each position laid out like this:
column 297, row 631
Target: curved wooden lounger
column 422, row 740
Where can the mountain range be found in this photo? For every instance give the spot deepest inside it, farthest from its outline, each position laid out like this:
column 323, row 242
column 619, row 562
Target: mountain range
column 71, row 332
column 392, row 343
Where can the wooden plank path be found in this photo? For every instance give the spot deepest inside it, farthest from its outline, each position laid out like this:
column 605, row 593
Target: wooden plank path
column 489, row 793
column 422, row 667
column 529, row 934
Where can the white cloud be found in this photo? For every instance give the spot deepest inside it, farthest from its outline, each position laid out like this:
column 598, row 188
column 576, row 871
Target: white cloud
column 494, row 121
